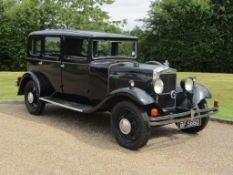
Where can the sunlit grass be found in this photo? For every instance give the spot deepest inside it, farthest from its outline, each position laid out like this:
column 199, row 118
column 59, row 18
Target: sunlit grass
column 8, row 89
column 220, row 85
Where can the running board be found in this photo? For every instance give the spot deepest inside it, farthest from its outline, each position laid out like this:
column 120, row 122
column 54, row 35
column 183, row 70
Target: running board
column 67, row 104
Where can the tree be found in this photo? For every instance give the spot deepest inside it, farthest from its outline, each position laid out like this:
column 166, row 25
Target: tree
column 223, row 20
column 188, row 33
column 20, row 17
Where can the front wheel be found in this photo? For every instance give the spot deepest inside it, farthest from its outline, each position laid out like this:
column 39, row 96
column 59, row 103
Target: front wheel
column 204, row 121
column 130, row 125
column 31, row 98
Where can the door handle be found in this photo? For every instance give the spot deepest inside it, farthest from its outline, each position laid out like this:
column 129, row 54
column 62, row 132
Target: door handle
column 62, row 65
column 40, row 62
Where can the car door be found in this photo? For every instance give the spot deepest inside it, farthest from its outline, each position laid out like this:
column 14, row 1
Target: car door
column 75, row 66
column 51, row 60
column 44, row 57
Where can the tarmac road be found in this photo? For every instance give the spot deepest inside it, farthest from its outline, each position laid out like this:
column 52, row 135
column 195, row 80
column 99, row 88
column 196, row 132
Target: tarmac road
column 66, row 142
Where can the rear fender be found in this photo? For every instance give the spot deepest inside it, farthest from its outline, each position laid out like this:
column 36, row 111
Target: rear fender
column 42, row 83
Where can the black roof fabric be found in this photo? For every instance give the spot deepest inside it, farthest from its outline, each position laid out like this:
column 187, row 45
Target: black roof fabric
column 82, row 33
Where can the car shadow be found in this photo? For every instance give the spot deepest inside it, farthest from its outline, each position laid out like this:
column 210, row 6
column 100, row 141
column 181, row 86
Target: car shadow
column 97, row 125
column 167, row 137
column 94, row 129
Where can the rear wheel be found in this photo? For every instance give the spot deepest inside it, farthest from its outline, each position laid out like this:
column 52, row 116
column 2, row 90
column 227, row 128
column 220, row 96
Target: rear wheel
column 204, row 121
column 31, row 98
column 130, row 125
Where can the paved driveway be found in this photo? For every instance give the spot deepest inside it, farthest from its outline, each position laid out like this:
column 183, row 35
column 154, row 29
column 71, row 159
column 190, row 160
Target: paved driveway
column 65, row 142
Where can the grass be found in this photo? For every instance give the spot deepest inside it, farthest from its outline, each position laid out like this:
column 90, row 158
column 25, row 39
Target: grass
column 220, row 85
column 8, row 89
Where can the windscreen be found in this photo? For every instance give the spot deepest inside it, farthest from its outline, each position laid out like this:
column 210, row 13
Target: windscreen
column 114, row 49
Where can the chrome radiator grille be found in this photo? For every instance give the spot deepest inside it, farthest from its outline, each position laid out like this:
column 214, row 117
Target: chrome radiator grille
column 169, row 81
column 165, row 100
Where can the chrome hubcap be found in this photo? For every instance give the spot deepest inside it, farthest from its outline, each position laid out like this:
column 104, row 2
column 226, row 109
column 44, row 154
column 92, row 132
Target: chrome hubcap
column 125, row 126
column 30, row 97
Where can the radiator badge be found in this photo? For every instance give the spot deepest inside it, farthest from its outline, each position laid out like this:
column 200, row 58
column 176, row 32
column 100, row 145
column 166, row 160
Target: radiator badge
column 173, row 94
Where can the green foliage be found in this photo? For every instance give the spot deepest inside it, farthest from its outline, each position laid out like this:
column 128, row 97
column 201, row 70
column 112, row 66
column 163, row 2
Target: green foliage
column 194, row 35
column 20, row 17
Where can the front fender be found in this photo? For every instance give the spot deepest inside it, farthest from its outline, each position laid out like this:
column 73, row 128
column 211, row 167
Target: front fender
column 138, row 95
column 200, row 93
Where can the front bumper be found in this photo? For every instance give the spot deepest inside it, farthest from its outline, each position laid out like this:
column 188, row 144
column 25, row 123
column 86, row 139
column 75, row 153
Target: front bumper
column 184, row 116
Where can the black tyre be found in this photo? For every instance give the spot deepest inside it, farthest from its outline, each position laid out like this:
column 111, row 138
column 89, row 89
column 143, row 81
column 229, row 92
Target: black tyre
column 204, row 121
column 31, row 98
column 130, row 125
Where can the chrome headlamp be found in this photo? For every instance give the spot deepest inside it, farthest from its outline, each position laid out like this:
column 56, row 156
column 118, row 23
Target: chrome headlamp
column 158, row 86
column 156, row 75
column 187, row 84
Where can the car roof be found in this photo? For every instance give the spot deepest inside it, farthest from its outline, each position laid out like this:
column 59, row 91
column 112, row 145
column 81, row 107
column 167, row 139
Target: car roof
column 83, row 33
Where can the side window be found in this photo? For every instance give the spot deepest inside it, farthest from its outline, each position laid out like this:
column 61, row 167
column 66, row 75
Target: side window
column 52, row 47
column 35, row 46
column 76, row 50
column 102, row 48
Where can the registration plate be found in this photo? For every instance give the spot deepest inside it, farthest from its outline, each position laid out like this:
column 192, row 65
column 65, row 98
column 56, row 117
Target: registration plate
column 189, row 124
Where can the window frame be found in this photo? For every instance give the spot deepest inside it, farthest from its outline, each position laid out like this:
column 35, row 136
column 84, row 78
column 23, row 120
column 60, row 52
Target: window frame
column 30, row 44
column 113, row 57
column 52, row 58
column 64, row 59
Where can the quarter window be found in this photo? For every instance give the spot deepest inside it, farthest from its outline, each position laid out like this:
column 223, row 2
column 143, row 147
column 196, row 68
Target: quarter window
column 35, row 46
column 52, row 47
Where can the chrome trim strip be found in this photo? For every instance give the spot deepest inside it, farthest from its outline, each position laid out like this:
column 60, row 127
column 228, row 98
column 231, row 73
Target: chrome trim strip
column 43, row 60
column 61, row 105
column 76, row 63
column 165, row 70
column 169, row 71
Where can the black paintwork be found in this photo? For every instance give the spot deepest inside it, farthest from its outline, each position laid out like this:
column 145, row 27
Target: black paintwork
column 49, row 68
column 103, row 82
column 83, row 34
column 44, row 86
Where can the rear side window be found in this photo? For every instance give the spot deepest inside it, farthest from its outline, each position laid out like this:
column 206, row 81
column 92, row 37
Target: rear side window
column 52, row 47
column 35, row 49
column 75, row 49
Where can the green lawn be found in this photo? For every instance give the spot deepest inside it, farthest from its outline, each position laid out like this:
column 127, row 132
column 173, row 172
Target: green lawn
column 220, row 85
column 8, row 89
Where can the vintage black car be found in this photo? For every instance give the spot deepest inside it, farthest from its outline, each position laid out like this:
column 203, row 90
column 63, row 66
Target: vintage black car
column 88, row 71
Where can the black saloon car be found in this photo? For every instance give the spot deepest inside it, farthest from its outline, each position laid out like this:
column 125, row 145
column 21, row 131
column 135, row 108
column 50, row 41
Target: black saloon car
column 89, row 72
